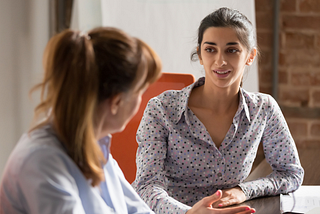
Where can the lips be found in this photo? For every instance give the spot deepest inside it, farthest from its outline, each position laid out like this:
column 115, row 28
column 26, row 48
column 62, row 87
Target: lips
column 221, row 74
column 221, row 71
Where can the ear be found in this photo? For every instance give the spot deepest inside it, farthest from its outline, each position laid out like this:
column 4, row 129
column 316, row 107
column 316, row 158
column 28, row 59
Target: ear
column 251, row 57
column 199, row 56
column 115, row 103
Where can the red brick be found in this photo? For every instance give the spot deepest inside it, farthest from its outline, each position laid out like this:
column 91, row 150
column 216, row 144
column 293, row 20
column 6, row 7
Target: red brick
column 265, row 39
column 299, row 40
column 305, row 78
column 265, row 76
column 309, row 6
column 265, row 58
column 265, row 88
column 282, row 58
column 315, row 129
column 318, row 41
column 263, row 5
column 293, row 96
column 309, row 22
column 316, row 97
column 264, row 21
column 283, row 77
column 288, row 5
column 304, row 57
column 308, row 143
column 298, row 129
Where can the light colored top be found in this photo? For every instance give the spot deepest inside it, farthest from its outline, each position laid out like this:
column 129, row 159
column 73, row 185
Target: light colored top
column 178, row 161
column 40, row 178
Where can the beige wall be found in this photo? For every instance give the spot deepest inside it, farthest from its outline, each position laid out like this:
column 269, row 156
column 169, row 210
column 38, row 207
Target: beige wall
column 24, row 28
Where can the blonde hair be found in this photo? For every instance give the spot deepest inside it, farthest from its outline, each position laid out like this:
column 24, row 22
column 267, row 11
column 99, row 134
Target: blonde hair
column 81, row 71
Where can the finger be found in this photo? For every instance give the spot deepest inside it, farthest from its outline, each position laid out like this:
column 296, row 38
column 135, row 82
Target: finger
column 249, row 211
column 237, row 210
column 208, row 201
column 225, row 203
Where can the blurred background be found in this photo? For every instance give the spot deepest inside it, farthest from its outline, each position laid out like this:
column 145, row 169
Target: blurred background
column 288, row 34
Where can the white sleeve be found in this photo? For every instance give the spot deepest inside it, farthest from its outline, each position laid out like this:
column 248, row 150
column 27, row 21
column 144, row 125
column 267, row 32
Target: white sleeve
column 117, row 191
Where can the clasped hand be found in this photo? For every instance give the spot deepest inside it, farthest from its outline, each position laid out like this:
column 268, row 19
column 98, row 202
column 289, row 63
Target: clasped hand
column 220, row 199
column 229, row 197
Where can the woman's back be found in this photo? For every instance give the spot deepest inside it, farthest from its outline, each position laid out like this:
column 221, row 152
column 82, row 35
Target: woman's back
column 41, row 178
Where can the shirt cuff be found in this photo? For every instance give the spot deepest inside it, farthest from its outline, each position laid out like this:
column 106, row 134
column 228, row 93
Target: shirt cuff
column 245, row 191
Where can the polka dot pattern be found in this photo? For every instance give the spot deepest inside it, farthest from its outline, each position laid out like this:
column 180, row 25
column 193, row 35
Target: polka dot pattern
column 178, row 164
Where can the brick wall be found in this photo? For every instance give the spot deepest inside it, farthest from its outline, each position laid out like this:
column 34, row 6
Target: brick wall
column 299, row 64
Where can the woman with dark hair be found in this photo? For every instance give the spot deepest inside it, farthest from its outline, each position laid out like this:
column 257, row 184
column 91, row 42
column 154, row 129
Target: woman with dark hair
column 92, row 87
column 195, row 141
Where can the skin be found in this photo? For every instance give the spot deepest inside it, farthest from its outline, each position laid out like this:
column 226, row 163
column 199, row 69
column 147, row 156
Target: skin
column 215, row 103
column 205, row 207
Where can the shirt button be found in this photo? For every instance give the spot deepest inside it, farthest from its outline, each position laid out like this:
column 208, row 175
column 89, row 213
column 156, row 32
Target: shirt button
column 219, row 174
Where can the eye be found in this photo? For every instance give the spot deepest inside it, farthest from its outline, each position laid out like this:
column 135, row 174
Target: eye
column 232, row 50
column 209, row 50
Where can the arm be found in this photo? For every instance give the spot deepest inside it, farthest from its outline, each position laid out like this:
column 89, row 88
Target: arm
column 151, row 154
column 127, row 201
column 281, row 153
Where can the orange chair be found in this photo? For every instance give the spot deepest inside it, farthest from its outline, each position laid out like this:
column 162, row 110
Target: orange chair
column 124, row 144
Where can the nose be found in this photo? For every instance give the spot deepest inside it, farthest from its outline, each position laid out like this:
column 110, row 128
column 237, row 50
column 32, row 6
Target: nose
column 220, row 60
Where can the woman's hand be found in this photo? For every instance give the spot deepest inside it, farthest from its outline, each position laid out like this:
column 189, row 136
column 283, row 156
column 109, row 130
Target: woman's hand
column 205, row 207
column 229, row 197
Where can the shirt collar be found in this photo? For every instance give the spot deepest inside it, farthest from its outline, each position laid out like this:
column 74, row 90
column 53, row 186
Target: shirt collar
column 105, row 144
column 183, row 99
column 243, row 104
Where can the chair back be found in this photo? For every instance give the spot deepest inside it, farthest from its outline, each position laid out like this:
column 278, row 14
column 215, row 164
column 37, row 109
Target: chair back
column 124, row 144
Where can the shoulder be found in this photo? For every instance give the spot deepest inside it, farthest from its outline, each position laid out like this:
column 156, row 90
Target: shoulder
column 37, row 151
column 37, row 165
column 258, row 99
column 172, row 98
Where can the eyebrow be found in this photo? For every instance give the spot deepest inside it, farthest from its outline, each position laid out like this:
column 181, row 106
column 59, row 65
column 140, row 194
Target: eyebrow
column 229, row 43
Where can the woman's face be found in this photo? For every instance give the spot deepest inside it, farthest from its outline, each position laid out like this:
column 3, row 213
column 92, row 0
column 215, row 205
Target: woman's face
column 224, row 57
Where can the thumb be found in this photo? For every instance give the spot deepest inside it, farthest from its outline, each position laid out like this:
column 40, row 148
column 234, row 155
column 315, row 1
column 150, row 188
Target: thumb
column 208, row 201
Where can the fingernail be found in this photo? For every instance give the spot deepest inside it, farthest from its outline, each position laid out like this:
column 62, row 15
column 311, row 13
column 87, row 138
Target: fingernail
column 218, row 193
column 220, row 205
column 253, row 210
column 247, row 208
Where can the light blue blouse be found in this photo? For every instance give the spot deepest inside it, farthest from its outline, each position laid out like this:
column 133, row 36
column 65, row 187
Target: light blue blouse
column 40, row 178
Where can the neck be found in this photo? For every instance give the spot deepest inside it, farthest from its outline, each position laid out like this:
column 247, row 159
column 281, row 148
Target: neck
column 219, row 100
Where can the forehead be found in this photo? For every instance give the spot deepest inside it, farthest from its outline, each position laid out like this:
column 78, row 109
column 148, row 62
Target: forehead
column 220, row 35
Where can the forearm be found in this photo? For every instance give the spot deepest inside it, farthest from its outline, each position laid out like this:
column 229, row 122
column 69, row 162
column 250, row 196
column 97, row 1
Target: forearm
column 273, row 184
column 159, row 200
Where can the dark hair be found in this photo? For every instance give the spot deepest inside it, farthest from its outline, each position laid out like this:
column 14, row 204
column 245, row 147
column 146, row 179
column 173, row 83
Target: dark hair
column 81, row 70
column 226, row 17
